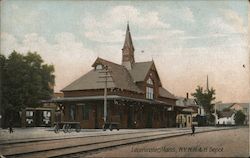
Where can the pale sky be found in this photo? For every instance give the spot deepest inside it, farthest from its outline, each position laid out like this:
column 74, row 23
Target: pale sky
column 186, row 39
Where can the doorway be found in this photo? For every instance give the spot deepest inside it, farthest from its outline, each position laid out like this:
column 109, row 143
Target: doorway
column 96, row 111
column 38, row 118
column 149, row 119
column 130, row 116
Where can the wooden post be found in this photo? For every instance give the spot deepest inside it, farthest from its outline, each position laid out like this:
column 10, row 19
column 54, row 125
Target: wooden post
column 105, row 95
column 105, row 76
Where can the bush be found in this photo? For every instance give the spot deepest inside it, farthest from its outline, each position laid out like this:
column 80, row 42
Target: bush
column 239, row 118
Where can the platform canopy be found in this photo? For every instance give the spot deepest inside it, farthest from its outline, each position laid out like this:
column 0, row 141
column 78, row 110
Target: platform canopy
column 109, row 97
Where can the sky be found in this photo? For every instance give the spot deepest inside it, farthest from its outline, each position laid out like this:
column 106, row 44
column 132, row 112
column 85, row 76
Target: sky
column 187, row 40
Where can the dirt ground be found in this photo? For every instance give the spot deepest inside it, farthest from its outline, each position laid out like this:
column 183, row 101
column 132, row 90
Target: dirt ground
column 225, row 143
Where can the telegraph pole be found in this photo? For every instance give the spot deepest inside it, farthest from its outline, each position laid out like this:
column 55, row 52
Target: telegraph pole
column 105, row 76
column 105, row 94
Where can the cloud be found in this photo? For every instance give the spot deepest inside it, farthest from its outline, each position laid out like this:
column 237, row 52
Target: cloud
column 189, row 67
column 187, row 14
column 106, row 28
column 105, row 36
column 21, row 21
column 220, row 26
column 235, row 20
column 186, row 43
column 14, row 7
column 204, row 36
column 229, row 23
column 120, row 14
column 67, row 54
column 8, row 42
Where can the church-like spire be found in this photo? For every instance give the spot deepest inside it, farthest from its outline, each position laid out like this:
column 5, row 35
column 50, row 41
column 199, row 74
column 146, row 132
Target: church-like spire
column 128, row 43
column 128, row 50
column 207, row 84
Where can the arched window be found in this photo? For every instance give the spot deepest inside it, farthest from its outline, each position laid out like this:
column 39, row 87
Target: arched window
column 98, row 67
column 149, row 81
column 149, row 93
column 150, row 89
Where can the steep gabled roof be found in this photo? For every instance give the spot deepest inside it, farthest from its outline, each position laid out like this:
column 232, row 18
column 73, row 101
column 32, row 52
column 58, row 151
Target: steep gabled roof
column 165, row 93
column 120, row 77
column 222, row 106
column 89, row 80
column 244, row 105
column 182, row 101
column 222, row 114
column 140, row 70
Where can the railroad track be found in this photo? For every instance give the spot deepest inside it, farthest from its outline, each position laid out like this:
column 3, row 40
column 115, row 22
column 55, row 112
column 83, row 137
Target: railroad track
column 69, row 146
column 71, row 137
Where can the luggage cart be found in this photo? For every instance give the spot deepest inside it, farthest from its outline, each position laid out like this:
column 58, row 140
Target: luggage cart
column 67, row 127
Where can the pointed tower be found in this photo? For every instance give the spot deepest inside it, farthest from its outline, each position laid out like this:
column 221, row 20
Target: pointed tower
column 128, row 51
column 207, row 83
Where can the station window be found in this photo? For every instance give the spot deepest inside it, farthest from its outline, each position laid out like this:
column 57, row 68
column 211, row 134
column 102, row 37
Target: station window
column 149, row 93
column 72, row 113
column 150, row 89
column 46, row 114
column 85, row 111
column 29, row 113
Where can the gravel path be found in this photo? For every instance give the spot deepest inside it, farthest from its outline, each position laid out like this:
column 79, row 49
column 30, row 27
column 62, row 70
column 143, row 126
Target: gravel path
column 226, row 143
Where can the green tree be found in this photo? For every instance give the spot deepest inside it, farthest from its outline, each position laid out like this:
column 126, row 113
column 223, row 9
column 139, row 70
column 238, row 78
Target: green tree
column 2, row 100
column 239, row 118
column 25, row 81
column 205, row 98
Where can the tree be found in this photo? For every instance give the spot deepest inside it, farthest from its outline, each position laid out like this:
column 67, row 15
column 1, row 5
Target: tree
column 239, row 118
column 205, row 98
column 25, row 81
column 2, row 63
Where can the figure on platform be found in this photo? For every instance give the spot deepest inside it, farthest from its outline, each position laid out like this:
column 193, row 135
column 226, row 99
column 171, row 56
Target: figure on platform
column 193, row 130
column 11, row 126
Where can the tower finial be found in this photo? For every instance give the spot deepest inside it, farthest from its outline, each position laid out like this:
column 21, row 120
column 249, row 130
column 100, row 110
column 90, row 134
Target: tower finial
column 128, row 26
column 128, row 50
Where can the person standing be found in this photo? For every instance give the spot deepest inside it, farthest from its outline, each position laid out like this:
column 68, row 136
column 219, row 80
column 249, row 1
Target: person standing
column 193, row 130
column 11, row 126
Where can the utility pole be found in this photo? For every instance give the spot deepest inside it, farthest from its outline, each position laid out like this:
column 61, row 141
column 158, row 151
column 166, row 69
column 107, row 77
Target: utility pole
column 105, row 75
column 105, row 96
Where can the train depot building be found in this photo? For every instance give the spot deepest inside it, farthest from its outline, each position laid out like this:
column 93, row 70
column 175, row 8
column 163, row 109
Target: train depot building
column 135, row 95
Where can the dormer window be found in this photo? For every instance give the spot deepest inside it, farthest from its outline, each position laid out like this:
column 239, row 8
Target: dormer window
column 99, row 67
column 150, row 89
column 149, row 93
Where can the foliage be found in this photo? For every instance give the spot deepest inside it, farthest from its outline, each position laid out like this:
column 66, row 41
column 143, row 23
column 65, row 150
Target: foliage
column 205, row 98
column 2, row 63
column 25, row 80
column 239, row 118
